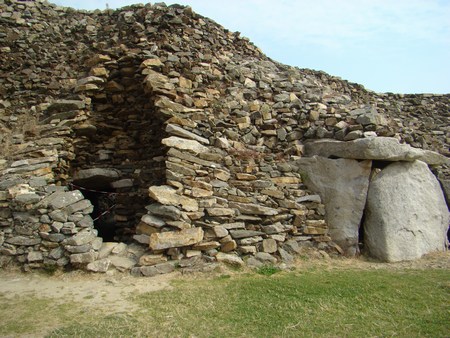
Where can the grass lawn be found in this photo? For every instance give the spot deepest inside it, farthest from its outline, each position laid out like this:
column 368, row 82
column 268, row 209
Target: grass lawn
column 299, row 303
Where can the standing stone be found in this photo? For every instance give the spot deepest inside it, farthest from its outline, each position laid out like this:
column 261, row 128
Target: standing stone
column 406, row 215
column 342, row 184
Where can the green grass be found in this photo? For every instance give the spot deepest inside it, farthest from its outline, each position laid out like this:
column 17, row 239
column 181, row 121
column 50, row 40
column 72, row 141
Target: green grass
column 28, row 314
column 350, row 303
column 268, row 270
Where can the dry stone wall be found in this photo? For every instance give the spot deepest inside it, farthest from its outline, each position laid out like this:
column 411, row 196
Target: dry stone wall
column 186, row 129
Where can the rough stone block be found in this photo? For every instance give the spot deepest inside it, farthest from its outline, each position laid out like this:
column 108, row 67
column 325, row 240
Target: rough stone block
column 173, row 239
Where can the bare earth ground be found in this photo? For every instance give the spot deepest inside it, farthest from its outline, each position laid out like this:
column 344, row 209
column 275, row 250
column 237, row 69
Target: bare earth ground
column 110, row 293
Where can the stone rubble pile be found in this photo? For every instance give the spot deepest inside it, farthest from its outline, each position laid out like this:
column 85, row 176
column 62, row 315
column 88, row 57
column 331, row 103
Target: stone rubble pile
column 179, row 138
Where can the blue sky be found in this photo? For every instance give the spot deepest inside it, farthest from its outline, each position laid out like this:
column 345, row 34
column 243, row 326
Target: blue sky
column 400, row 46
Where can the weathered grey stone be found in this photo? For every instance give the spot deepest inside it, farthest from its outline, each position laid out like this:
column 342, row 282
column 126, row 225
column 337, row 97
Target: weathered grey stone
column 151, row 271
column 174, row 239
column 265, row 257
column 373, row 148
column 220, row 231
column 218, row 212
column 56, row 253
column 78, row 206
column 401, row 227
column 30, row 198
column 97, row 243
column 227, row 245
column 83, row 237
column 101, row 265
column 122, row 263
column 292, row 247
column 286, row 257
column 275, row 228
column 253, row 209
column 96, row 178
column 342, row 185
column 229, row 259
column 167, row 195
column 65, row 105
column 368, row 115
column 250, row 240
column 152, row 259
column 83, row 258
column 136, row 271
column 62, row 199
column 353, row 135
column 309, row 198
column 57, row 238
column 238, row 234
column 124, row 183
column 234, row 225
column 269, row 245
column 164, row 268
column 178, row 131
column 21, row 240
column 184, row 144
column 35, row 256
column 86, row 222
column 252, row 262
column 165, row 211
column 206, row 246
column 142, row 238
column 58, row 215
column 120, row 249
column 78, row 248
column 153, row 221
column 106, row 249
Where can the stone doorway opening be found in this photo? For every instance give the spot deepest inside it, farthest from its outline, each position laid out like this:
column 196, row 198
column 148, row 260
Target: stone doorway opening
column 121, row 133
column 96, row 186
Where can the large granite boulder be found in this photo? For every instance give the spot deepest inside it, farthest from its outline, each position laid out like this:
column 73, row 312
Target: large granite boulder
column 406, row 214
column 342, row 185
column 373, row 148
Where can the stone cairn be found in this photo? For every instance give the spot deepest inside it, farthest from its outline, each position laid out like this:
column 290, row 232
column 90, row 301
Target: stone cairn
column 192, row 134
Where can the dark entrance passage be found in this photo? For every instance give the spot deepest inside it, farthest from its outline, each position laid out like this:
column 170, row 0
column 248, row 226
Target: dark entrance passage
column 103, row 215
column 95, row 184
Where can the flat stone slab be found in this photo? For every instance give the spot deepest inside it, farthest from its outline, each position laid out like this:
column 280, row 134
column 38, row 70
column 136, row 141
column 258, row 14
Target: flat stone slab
column 166, row 211
column 175, row 239
column 96, row 177
column 168, row 196
column 22, row 240
column 184, row 144
column 238, row 234
column 101, row 265
column 62, row 199
column 229, row 259
column 178, row 131
column 373, row 148
column 253, row 209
